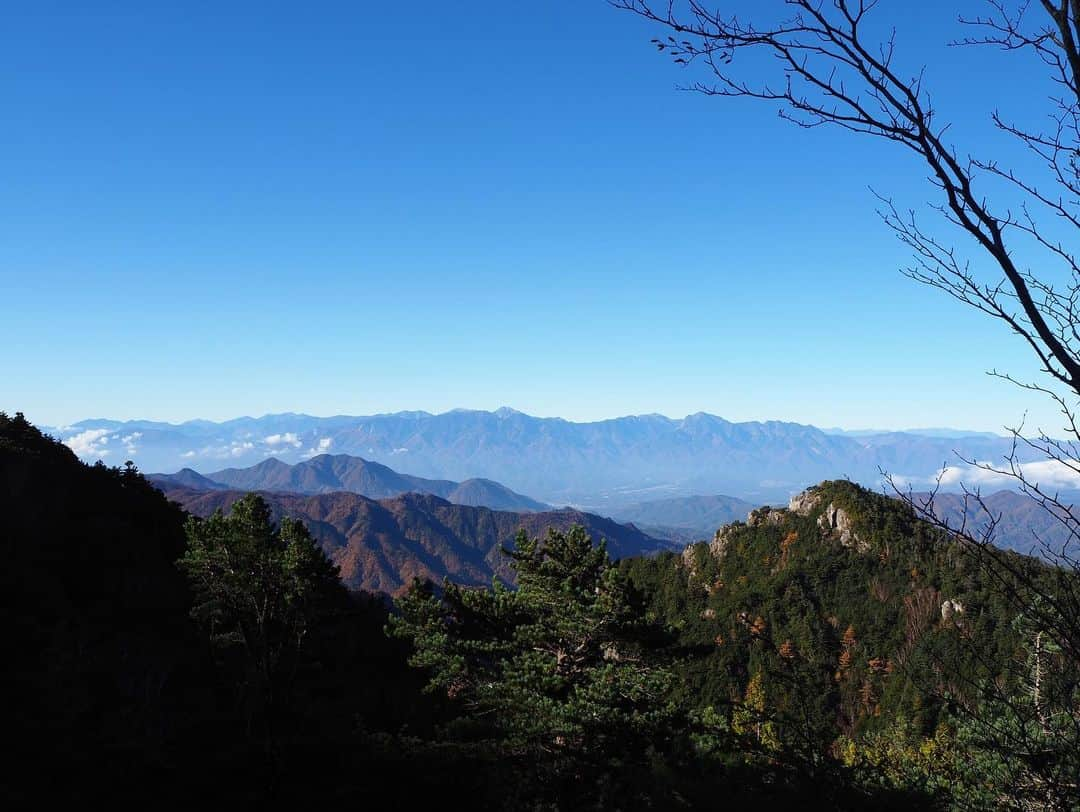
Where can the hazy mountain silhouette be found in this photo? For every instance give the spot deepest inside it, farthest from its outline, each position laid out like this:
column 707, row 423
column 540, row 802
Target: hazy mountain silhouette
column 615, row 462
column 328, row 473
column 1022, row 524
column 187, row 478
column 687, row 518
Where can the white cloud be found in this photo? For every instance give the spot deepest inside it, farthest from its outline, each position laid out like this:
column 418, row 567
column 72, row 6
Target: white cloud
column 322, row 447
column 905, row 481
column 129, row 442
column 1046, row 473
column 89, row 444
column 288, row 438
column 234, row 449
column 238, row 449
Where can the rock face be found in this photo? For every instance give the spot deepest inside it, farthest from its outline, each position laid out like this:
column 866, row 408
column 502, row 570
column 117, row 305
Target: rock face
column 718, row 548
column 688, row 561
column 766, row 515
column 805, row 502
column 833, row 519
column 837, row 521
column 950, row 608
column 719, row 545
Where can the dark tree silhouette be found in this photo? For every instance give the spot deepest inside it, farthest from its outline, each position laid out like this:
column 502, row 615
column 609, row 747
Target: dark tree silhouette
column 829, row 68
column 263, row 589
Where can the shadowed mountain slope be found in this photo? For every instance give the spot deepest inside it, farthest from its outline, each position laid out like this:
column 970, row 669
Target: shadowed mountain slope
column 187, row 478
column 381, row 545
column 101, row 648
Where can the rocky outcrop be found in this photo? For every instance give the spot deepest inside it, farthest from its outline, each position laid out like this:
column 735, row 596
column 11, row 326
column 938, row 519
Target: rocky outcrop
column 719, row 545
column 837, row 521
column 766, row 515
column 833, row 520
column 804, row 503
column 951, row 608
column 689, row 562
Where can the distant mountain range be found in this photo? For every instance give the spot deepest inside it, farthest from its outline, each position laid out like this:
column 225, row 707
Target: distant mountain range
column 328, row 473
column 941, row 433
column 381, row 545
column 680, row 519
column 1021, row 524
column 605, row 465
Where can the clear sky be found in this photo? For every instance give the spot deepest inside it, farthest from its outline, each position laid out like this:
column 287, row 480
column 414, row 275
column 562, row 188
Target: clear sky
column 227, row 208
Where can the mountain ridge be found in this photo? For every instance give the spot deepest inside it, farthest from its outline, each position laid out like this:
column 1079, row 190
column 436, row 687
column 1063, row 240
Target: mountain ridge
column 329, row 473
column 552, row 459
column 381, row 545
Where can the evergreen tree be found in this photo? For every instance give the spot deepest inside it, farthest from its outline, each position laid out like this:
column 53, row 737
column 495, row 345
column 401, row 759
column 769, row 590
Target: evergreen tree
column 558, row 672
column 259, row 591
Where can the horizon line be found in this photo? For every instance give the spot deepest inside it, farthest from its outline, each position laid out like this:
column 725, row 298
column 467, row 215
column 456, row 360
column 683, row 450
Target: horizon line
column 832, row 430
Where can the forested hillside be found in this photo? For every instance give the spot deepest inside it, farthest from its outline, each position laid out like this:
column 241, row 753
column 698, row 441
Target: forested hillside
column 115, row 693
column 838, row 653
column 845, row 625
column 382, row 545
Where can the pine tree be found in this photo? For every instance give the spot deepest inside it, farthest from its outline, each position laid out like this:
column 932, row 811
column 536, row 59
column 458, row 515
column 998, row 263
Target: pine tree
column 557, row 669
column 259, row 592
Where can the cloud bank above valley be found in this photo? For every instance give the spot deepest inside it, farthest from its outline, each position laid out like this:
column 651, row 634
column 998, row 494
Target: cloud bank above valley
column 985, row 475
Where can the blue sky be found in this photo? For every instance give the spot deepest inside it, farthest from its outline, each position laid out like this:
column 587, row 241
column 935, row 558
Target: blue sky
column 216, row 209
